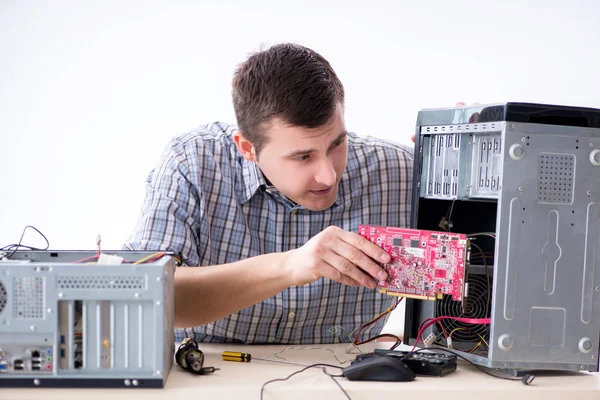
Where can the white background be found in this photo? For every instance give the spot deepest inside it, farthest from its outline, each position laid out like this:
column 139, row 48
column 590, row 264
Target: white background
column 91, row 91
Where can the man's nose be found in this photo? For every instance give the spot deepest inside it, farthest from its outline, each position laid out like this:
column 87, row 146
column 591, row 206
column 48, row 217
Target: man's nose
column 326, row 173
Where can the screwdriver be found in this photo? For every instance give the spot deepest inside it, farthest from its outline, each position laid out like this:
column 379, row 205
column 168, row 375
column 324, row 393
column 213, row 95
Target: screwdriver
column 247, row 357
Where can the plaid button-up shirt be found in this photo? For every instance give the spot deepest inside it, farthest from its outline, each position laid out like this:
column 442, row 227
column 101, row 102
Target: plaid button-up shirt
column 212, row 206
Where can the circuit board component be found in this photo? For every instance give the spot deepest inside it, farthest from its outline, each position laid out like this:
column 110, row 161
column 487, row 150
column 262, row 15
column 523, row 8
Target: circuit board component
column 425, row 264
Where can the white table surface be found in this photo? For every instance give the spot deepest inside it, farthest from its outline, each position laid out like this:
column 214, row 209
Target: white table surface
column 244, row 380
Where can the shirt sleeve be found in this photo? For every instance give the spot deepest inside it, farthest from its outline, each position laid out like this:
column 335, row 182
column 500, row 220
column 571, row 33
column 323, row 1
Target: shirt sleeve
column 172, row 210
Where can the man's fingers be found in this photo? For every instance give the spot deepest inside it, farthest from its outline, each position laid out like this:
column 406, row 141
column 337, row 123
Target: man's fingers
column 331, row 272
column 351, row 270
column 366, row 246
column 362, row 253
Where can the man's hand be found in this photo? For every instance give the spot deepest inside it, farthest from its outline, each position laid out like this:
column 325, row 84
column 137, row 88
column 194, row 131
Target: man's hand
column 339, row 255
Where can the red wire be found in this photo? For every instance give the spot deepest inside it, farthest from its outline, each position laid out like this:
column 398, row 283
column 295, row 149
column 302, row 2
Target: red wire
column 365, row 326
column 443, row 330
column 86, row 259
column 477, row 321
column 378, row 337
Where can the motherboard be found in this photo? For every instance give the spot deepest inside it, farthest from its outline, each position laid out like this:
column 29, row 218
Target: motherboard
column 425, row 264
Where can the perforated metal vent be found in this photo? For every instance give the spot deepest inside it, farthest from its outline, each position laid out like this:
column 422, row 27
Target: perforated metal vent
column 28, row 297
column 101, row 282
column 556, row 178
column 3, row 297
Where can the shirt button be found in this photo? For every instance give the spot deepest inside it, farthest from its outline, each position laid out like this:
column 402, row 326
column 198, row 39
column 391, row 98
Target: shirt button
column 294, row 210
column 292, row 315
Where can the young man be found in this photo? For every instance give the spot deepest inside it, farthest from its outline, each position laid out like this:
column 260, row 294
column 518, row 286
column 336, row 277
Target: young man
column 268, row 210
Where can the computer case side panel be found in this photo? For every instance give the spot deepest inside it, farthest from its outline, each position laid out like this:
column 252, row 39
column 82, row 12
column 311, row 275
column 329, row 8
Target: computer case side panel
column 546, row 297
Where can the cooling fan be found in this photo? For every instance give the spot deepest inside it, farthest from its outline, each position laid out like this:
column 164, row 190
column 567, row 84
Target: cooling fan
column 477, row 305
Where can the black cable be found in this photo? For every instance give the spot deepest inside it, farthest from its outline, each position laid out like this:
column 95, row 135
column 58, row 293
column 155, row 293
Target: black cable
column 526, row 380
column 9, row 247
column 17, row 246
column 449, row 215
column 398, row 343
column 304, row 369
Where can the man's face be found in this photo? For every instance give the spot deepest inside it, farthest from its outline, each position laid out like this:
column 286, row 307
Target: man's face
column 304, row 164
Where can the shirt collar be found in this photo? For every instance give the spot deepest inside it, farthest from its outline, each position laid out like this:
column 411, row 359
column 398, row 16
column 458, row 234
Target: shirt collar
column 252, row 179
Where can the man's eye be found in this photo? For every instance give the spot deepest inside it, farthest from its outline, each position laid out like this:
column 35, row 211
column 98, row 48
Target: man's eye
column 337, row 143
column 302, row 158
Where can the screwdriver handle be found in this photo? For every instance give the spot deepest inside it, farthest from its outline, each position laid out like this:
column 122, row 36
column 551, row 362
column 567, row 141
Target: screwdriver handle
column 236, row 356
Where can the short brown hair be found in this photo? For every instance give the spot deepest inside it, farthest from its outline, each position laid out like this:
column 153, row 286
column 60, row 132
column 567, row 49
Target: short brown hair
column 285, row 81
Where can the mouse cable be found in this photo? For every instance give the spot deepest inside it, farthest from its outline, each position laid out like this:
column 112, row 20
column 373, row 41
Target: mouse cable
column 526, row 379
column 322, row 367
column 15, row 247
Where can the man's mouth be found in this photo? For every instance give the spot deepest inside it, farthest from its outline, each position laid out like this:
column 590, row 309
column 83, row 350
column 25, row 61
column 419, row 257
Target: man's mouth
column 322, row 192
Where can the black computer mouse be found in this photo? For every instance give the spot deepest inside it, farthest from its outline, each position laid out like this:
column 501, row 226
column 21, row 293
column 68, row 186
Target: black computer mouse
column 379, row 368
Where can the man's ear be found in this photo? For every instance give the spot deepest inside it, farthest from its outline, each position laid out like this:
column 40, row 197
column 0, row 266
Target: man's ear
column 244, row 146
